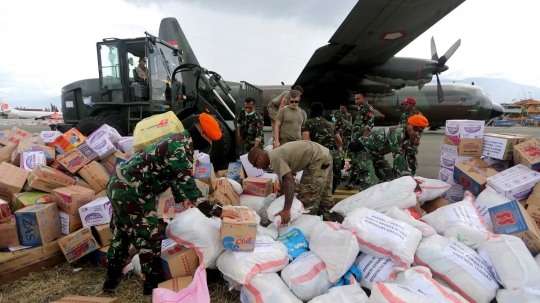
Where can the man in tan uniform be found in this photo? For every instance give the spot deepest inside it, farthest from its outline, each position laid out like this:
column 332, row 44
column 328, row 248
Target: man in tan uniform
column 142, row 70
column 315, row 190
column 289, row 121
column 278, row 103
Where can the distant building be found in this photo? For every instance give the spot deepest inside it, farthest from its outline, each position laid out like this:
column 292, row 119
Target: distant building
column 529, row 109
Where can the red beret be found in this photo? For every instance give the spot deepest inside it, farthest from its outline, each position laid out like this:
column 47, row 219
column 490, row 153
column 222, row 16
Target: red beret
column 210, row 126
column 409, row 101
column 418, row 120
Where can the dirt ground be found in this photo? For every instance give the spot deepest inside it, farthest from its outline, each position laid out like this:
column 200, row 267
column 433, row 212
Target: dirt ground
column 61, row 281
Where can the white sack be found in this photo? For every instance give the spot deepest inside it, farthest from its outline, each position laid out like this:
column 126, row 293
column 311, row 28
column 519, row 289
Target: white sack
column 516, row 296
column 298, row 177
column 270, row 231
column 381, row 236
column 459, row 265
column 419, row 279
column 193, row 229
column 305, row 223
column 297, row 209
column 343, row 294
column 487, row 199
column 268, row 256
column 512, row 262
column 306, row 276
column 375, row 269
column 460, row 221
column 236, row 186
column 405, row 216
column 431, row 189
column 258, row 204
column 336, row 248
column 134, row 265
column 537, row 258
column 381, row 197
column 392, row 293
column 269, row 288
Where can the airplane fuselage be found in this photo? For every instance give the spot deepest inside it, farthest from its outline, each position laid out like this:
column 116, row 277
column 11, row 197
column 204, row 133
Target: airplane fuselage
column 13, row 113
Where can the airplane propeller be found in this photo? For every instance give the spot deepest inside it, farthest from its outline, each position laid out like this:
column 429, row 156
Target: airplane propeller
column 440, row 66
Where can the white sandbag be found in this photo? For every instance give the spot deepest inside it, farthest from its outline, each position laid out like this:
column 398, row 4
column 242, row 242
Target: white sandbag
column 460, row 221
column 381, row 236
column 516, row 296
column 298, row 177
column 405, row 216
column 393, row 293
column 193, row 229
column 306, row 276
column 343, row 294
column 381, row 197
column 305, row 223
column 376, row 269
column 268, row 256
column 267, row 288
column 431, row 189
column 270, row 231
column 134, row 265
column 336, row 248
column 459, row 265
column 513, row 264
column 236, row 186
column 258, row 204
column 419, row 279
column 487, row 199
column 297, row 209
column 537, row 258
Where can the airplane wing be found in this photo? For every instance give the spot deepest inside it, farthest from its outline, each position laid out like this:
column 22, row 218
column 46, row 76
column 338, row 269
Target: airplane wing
column 373, row 32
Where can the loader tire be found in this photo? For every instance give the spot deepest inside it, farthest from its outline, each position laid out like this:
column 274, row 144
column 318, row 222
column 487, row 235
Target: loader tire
column 220, row 150
column 88, row 125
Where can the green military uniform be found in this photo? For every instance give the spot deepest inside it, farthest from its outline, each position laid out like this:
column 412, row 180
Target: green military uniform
column 374, row 146
column 132, row 192
column 365, row 120
column 343, row 123
column 323, row 132
column 251, row 129
column 410, row 150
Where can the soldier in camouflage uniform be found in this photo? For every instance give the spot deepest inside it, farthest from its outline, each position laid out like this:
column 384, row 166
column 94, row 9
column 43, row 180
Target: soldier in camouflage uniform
column 322, row 131
column 364, row 123
column 250, row 127
column 377, row 144
column 411, row 150
column 343, row 122
column 133, row 190
column 315, row 190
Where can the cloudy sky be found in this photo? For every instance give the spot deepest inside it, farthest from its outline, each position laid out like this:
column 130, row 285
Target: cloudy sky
column 48, row 44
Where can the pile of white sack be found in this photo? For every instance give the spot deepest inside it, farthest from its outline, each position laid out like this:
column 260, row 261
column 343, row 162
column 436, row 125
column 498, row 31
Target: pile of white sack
column 403, row 254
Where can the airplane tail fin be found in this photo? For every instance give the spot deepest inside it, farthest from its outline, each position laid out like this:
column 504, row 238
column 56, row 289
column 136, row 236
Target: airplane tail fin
column 170, row 31
column 4, row 107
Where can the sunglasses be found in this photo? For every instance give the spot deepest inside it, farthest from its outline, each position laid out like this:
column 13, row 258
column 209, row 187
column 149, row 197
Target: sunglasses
column 293, row 102
column 418, row 129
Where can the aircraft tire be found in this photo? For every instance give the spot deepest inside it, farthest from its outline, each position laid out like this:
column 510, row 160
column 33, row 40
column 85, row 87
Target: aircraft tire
column 221, row 150
column 90, row 124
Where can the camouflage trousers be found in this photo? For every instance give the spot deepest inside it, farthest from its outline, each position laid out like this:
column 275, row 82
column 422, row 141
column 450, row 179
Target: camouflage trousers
column 315, row 190
column 134, row 221
column 247, row 146
column 336, row 168
column 369, row 166
column 410, row 155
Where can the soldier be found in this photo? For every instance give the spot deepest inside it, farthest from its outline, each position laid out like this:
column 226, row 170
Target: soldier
column 133, row 190
column 343, row 122
column 278, row 103
column 322, row 131
column 363, row 124
column 411, row 150
column 141, row 69
column 315, row 190
column 250, row 126
column 410, row 110
column 374, row 146
column 289, row 121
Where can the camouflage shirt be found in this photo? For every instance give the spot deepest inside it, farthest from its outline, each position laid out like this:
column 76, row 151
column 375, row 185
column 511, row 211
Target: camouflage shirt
column 321, row 131
column 343, row 121
column 405, row 116
column 251, row 127
column 365, row 120
column 389, row 140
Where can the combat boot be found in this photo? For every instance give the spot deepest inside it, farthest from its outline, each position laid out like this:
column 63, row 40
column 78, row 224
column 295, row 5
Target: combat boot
column 114, row 274
column 151, row 281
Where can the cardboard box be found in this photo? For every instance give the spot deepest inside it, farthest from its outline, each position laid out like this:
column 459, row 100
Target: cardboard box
column 454, row 194
column 88, row 152
column 203, row 188
column 178, row 261
column 447, row 175
column 450, row 156
column 467, row 147
column 97, row 212
column 80, row 182
column 21, row 200
column 498, row 165
column 73, row 160
column 472, row 175
column 102, row 233
column 204, row 172
column 15, row 135
column 176, row 284
column 222, row 173
column 4, row 138
column 6, row 151
column 125, row 144
column 154, row 128
column 49, row 152
column 38, row 224
column 168, row 206
column 96, row 175
column 533, row 210
column 528, row 154
column 225, row 193
column 12, row 179
column 103, row 148
column 512, row 219
column 48, row 136
column 102, row 194
column 78, row 244
column 110, row 162
column 99, row 257
column 464, row 129
column 5, row 213
column 9, row 236
column 70, row 222
column 70, row 198
column 56, row 165
column 433, row 205
column 47, row 179
column 534, row 197
column 256, row 186
column 236, row 171
column 499, row 146
column 516, row 183
column 81, row 299
column 240, row 233
column 104, row 131
column 275, row 180
column 69, row 140
column 29, row 160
